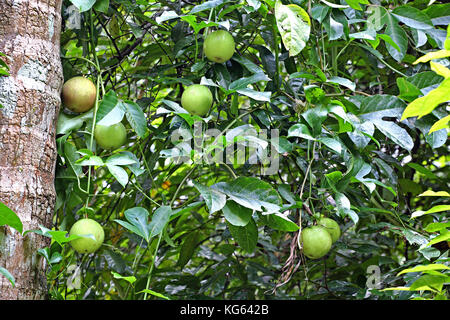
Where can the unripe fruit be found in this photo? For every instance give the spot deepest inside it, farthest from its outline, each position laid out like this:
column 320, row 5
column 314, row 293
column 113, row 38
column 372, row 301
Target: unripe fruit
column 331, row 226
column 87, row 227
column 79, row 94
column 219, row 46
column 110, row 137
column 316, row 242
column 197, row 99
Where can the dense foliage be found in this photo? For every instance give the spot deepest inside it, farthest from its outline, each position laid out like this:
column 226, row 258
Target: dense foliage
column 316, row 89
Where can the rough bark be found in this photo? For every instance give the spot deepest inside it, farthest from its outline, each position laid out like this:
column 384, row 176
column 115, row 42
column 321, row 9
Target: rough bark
column 29, row 36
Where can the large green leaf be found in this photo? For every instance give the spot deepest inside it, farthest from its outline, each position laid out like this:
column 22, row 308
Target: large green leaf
column 160, row 218
column 398, row 35
column 236, row 214
column 110, row 111
column 137, row 222
column 246, row 237
column 426, row 104
column 119, row 173
column 252, row 193
column 67, row 124
column 424, row 268
column 187, row 248
column 375, row 108
column 412, row 17
column 136, row 117
column 294, row 26
column 280, row 222
column 214, row 200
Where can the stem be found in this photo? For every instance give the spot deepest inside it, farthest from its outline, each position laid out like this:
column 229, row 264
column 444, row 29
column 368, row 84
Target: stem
column 181, row 184
column 152, row 264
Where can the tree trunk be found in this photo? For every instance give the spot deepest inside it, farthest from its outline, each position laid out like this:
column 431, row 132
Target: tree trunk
column 29, row 36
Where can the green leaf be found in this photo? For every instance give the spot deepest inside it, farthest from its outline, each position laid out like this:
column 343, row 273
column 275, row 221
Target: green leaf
column 343, row 207
column 242, row 83
column 440, row 69
column 425, row 79
column 440, row 124
column 236, row 214
column 333, row 144
column 280, row 222
column 206, row 6
column 102, row 5
column 294, row 26
column 376, row 107
column 315, row 117
column 130, row 279
column 426, row 104
column 252, row 193
column 334, row 28
column 119, row 173
column 192, row 20
column 10, row 218
column 187, row 248
column 121, row 159
column 412, row 17
column 110, row 111
column 438, row 208
column 60, row 236
column 431, row 193
column 153, row 293
column 166, row 15
column 137, row 222
column 160, row 218
column 433, row 55
column 90, row 161
column 422, row 170
column 408, row 91
column 355, row 4
column 136, row 118
column 8, row 276
column 67, row 124
column 343, row 82
column 246, row 237
column 83, row 5
column 319, row 12
column 440, row 238
column 430, row 282
column 255, row 95
column 398, row 35
column 301, row 131
column 214, row 200
column 437, row 226
column 71, row 156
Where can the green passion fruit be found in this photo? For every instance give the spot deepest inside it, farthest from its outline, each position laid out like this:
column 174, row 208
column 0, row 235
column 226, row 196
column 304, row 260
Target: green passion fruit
column 110, row 137
column 219, row 46
column 331, row 226
column 316, row 242
column 197, row 99
column 85, row 227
